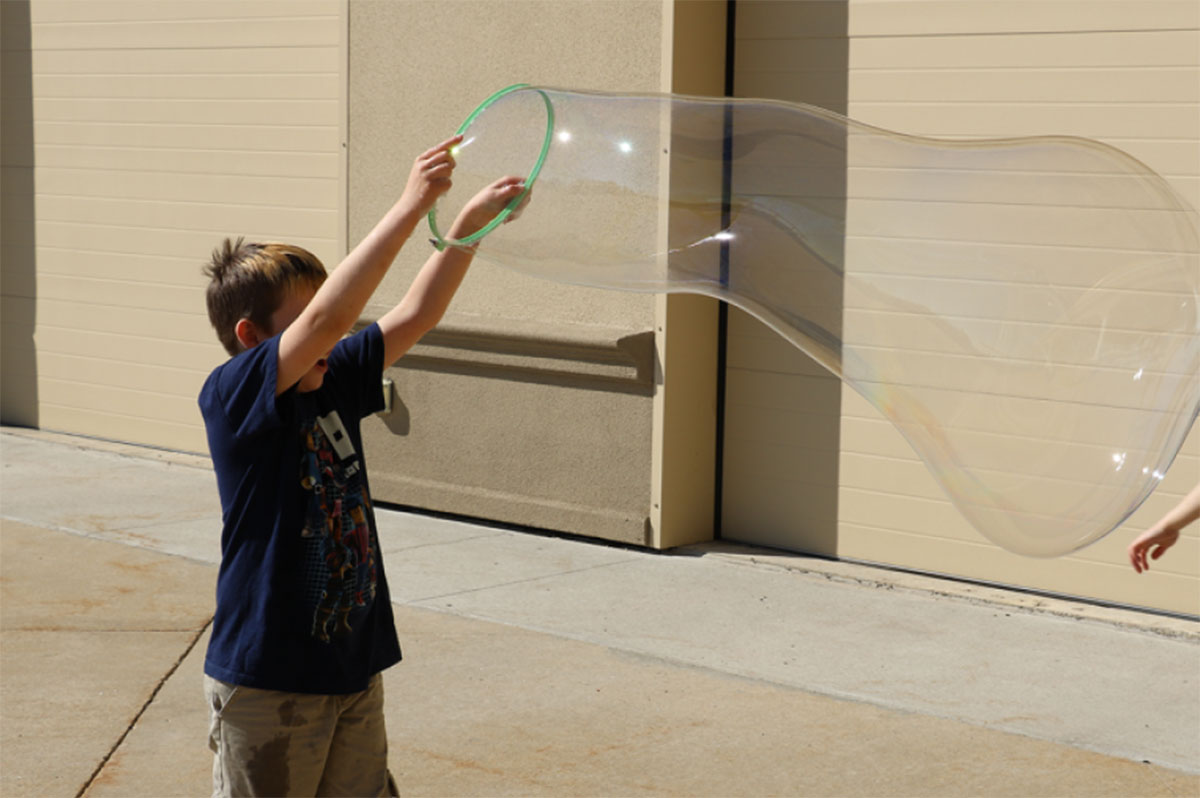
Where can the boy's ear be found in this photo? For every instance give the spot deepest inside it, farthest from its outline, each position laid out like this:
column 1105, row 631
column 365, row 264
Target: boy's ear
column 247, row 333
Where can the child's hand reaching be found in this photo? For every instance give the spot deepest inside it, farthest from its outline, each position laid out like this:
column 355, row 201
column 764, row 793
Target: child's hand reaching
column 484, row 206
column 1151, row 544
column 430, row 176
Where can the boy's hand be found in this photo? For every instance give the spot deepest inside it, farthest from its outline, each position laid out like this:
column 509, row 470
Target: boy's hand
column 490, row 200
column 430, row 176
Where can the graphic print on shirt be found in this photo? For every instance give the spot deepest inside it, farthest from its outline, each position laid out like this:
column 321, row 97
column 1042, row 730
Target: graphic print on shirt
column 340, row 554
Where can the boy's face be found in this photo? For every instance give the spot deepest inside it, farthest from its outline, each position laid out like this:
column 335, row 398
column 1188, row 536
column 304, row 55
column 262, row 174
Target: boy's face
column 295, row 301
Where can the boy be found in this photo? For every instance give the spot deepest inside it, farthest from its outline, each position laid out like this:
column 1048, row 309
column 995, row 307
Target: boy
column 304, row 624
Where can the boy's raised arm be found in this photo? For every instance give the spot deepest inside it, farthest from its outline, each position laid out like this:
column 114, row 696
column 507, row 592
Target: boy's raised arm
column 340, row 300
column 434, row 286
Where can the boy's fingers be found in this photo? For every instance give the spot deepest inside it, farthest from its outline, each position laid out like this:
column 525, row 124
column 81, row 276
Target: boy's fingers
column 1135, row 557
column 504, row 183
column 442, row 147
column 441, row 156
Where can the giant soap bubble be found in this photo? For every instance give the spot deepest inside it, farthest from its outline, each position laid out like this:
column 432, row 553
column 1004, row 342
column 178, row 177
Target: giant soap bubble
column 1023, row 310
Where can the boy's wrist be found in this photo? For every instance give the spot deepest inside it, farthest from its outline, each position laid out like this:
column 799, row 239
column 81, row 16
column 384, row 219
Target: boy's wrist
column 408, row 207
column 454, row 235
column 458, row 231
column 466, row 224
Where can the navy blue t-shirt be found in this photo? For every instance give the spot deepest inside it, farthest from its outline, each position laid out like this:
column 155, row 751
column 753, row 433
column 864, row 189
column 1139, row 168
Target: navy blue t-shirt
column 302, row 602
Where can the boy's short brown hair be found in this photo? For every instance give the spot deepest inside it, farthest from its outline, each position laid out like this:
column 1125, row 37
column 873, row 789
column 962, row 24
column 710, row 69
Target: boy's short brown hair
column 249, row 281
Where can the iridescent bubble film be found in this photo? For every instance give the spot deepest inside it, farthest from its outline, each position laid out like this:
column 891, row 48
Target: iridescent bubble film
column 1023, row 310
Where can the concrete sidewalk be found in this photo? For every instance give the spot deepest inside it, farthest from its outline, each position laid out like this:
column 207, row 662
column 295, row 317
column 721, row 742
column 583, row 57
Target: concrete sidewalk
column 544, row 666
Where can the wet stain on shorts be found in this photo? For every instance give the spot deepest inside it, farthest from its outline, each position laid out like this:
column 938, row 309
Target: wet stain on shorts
column 288, row 715
column 268, row 766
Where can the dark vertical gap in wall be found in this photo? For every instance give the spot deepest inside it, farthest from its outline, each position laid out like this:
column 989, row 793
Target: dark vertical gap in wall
column 18, row 264
column 806, row 517
column 723, row 308
column 842, row 87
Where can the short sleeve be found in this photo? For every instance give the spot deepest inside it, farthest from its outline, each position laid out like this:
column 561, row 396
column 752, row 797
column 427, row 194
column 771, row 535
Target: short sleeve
column 356, row 370
column 241, row 392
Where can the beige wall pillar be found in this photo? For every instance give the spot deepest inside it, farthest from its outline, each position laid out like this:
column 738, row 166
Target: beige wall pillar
column 685, row 411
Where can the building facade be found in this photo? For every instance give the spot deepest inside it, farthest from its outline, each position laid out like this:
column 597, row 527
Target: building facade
column 138, row 134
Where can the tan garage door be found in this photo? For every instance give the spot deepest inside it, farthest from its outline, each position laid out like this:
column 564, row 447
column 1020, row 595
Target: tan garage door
column 812, row 467
column 150, row 130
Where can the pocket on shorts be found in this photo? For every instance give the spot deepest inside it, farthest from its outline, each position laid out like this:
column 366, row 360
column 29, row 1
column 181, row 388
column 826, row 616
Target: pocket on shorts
column 219, row 694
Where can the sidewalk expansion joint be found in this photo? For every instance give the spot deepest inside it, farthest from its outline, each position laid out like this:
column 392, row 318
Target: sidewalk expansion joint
column 134, row 722
column 106, row 536
column 416, row 602
column 1004, row 598
column 113, row 630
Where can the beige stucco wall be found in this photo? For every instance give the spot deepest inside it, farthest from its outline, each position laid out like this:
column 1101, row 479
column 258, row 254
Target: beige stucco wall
column 533, row 401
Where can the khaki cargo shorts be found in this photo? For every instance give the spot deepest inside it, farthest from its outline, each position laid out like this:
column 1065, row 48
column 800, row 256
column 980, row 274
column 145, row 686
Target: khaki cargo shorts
column 273, row 743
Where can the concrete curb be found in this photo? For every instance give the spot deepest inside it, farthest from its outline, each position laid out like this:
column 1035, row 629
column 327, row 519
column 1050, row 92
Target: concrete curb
column 882, row 578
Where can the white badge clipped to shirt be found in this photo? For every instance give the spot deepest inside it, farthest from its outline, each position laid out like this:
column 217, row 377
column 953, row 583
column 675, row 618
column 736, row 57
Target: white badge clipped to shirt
column 335, row 432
